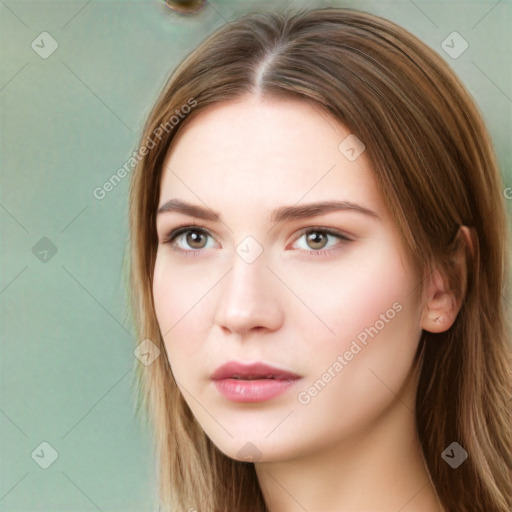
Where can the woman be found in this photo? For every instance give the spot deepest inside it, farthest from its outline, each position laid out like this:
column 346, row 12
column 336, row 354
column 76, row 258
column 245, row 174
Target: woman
column 319, row 249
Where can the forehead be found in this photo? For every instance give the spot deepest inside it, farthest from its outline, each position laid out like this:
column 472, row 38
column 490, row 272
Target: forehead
column 259, row 152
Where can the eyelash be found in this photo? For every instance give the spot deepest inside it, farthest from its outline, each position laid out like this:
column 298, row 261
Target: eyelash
column 174, row 234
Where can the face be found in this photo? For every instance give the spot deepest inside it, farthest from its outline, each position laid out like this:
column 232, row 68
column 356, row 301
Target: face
column 320, row 300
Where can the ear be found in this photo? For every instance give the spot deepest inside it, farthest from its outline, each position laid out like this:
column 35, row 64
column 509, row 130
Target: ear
column 443, row 297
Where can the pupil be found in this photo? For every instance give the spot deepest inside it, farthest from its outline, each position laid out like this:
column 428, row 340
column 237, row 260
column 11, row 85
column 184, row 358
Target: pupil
column 317, row 240
column 194, row 239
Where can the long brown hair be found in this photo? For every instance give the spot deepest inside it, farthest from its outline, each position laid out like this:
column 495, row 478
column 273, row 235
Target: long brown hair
column 435, row 166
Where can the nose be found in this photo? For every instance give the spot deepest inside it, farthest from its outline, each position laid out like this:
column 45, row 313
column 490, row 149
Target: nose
column 249, row 299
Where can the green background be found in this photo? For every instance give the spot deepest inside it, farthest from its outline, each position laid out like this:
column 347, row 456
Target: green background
column 68, row 123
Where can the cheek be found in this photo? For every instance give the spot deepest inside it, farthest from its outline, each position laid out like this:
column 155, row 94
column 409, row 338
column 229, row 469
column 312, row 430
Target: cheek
column 181, row 307
column 352, row 293
column 372, row 311
column 344, row 395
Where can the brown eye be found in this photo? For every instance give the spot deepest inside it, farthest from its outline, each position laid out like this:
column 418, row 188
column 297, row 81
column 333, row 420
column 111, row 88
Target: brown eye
column 316, row 239
column 196, row 239
column 188, row 239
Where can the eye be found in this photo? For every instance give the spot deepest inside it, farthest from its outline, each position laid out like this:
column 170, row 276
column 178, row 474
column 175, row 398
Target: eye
column 189, row 239
column 316, row 239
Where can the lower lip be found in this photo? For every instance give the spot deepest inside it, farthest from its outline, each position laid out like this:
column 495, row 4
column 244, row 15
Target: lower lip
column 252, row 390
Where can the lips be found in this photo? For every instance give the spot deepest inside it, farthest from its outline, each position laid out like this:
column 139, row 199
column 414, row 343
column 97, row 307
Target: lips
column 253, row 371
column 256, row 382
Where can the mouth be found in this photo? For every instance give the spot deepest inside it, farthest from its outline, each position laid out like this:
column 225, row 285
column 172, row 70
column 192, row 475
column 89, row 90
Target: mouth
column 256, row 377
column 256, row 382
column 253, row 371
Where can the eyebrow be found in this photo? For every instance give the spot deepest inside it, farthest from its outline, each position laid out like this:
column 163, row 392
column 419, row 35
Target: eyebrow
column 281, row 214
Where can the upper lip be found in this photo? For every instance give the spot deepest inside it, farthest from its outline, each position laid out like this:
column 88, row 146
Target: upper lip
column 233, row 369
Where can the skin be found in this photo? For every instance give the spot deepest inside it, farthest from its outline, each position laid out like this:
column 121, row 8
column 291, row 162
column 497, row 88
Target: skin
column 353, row 446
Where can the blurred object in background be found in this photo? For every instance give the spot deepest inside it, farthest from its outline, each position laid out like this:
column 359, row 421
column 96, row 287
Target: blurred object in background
column 185, row 6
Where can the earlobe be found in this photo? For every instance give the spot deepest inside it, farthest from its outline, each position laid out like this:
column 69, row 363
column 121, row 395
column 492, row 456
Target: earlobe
column 441, row 301
column 440, row 310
